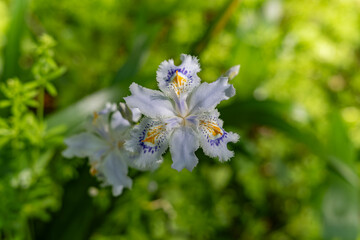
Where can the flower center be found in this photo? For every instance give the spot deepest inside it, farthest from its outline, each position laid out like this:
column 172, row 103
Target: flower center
column 120, row 144
column 188, row 120
column 183, row 121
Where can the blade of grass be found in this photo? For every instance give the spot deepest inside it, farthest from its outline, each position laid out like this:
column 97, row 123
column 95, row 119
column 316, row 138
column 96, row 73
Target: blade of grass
column 338, row 142
column 273, row 114
column 13, row 39
column 216, row 27
column 75, row 114
column 339, row 210
column 138, row 55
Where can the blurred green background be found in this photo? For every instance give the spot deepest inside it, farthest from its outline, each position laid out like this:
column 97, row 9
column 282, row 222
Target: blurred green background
column 295, row 170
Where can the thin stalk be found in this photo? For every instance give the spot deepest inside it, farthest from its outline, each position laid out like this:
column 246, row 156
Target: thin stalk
column 216, row 26
column 8, row 235
column 28, row 231
column 40, row 108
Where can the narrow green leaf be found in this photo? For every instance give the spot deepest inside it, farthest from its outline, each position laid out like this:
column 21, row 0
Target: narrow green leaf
column 216, row 27
column 343, row 170
column 78, row 112
column 32, row 103
column 55, row 131
column 5, row 132
column 138, row 55
column 338, row 141
column 340, row 211
column 31, row 94
column 4, row 103
column 4, row 140
column 30, row 85
column 43, row 160
column 51, row 89
column 56, row 73
column 14, row 35
column 275, row 115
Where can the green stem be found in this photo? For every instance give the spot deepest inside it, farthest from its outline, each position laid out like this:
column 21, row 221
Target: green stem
column 8, row 235
column 28, row 230
column 217, row 26
column 40, row 109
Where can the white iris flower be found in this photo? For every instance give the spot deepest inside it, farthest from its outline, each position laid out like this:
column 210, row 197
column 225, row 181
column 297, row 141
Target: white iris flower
column 182, row 115
column 103, row 144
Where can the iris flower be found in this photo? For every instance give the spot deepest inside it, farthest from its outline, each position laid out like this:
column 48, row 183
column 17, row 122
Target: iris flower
column 182, row 116
column 103, row 144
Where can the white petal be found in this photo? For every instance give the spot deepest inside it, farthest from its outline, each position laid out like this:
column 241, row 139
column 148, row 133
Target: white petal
column 151, row 103
column 173, row 122
column 109, row 107
column 208, row 95
column 102, row 116
column 118, row 122
column 213, row 138
column 136, row 114
column 232, row 72
column 116, row 170
column 178, row 79
column 130, row 114
column 117, row 190
column 85, row 145
column 99, row 124
column 183, row 144
column 109, row 124
column 149, row 140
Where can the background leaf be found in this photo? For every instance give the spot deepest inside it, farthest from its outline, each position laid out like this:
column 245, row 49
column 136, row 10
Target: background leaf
column 14, row 37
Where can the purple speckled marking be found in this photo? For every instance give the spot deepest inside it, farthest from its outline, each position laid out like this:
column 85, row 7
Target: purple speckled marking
column 171, row 72
column 146, row 148
column 218, row 140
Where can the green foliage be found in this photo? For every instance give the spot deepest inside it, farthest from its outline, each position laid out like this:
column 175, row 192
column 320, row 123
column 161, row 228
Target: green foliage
column 45, row 69
column 295, row 170
column 14, row 35
column 27, row 189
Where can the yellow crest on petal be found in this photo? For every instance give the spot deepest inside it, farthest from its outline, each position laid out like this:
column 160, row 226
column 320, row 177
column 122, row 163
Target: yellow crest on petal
column 96, row 116
column 178, row 82
column 153, row 133
column 212, row 128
